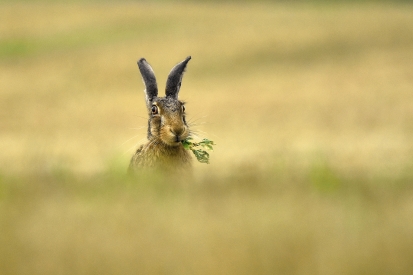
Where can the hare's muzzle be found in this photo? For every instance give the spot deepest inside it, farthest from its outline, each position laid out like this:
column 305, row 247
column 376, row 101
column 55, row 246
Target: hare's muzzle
column 178, row 133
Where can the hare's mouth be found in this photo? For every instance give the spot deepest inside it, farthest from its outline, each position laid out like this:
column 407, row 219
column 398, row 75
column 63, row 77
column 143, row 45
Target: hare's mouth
column 172, row 139
column 172, row 143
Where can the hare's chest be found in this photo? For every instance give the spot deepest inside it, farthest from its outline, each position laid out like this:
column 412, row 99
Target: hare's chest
column 162, row 157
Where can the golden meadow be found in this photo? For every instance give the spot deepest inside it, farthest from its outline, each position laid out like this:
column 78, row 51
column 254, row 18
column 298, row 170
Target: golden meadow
column 310, row 105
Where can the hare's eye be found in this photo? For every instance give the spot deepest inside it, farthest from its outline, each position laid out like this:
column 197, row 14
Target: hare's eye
column 183, row 108
column 154, row 109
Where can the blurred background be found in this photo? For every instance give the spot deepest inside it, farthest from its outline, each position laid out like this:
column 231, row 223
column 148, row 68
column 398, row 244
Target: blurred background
column 310, row 104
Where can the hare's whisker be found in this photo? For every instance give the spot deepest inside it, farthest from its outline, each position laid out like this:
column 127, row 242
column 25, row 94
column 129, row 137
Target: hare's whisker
column 128, row 150
column 144, row 118
column 136, row 145
column 198, row 124
column 130, row 139
column 195, row 135
column 200, row 132
column 191, row 120
column 138, row 128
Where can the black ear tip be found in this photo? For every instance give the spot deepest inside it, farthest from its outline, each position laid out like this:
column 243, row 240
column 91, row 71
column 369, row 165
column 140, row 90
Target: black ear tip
column 140, row 61
column 186, row 60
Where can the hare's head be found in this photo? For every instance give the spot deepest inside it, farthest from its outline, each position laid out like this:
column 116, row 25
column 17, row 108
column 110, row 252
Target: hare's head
column 166, row 114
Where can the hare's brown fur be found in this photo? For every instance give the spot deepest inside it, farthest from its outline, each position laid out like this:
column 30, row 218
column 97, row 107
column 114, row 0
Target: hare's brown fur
column 158, row 156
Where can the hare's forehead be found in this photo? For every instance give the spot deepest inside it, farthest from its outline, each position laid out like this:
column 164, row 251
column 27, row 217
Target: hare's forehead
column 168, row 103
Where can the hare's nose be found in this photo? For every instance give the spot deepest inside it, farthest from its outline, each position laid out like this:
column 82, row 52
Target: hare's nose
column 178, row 131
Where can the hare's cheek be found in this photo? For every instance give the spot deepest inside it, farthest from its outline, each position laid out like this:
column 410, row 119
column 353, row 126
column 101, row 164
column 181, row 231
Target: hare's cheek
column 155, row 125
column 156, row 120
column 185, row 133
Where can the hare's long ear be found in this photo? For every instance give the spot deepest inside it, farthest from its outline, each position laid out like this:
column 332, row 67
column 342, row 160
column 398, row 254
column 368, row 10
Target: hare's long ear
column 173, row 84
column 151, row 88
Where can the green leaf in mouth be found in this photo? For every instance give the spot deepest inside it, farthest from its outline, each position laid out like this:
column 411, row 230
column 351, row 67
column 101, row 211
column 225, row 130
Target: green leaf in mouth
column 198, row 148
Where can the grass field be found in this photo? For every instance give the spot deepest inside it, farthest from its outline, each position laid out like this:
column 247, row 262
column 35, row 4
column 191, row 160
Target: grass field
column 310, row 106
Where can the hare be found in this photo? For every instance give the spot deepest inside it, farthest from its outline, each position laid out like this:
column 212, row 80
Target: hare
column 167, row 127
